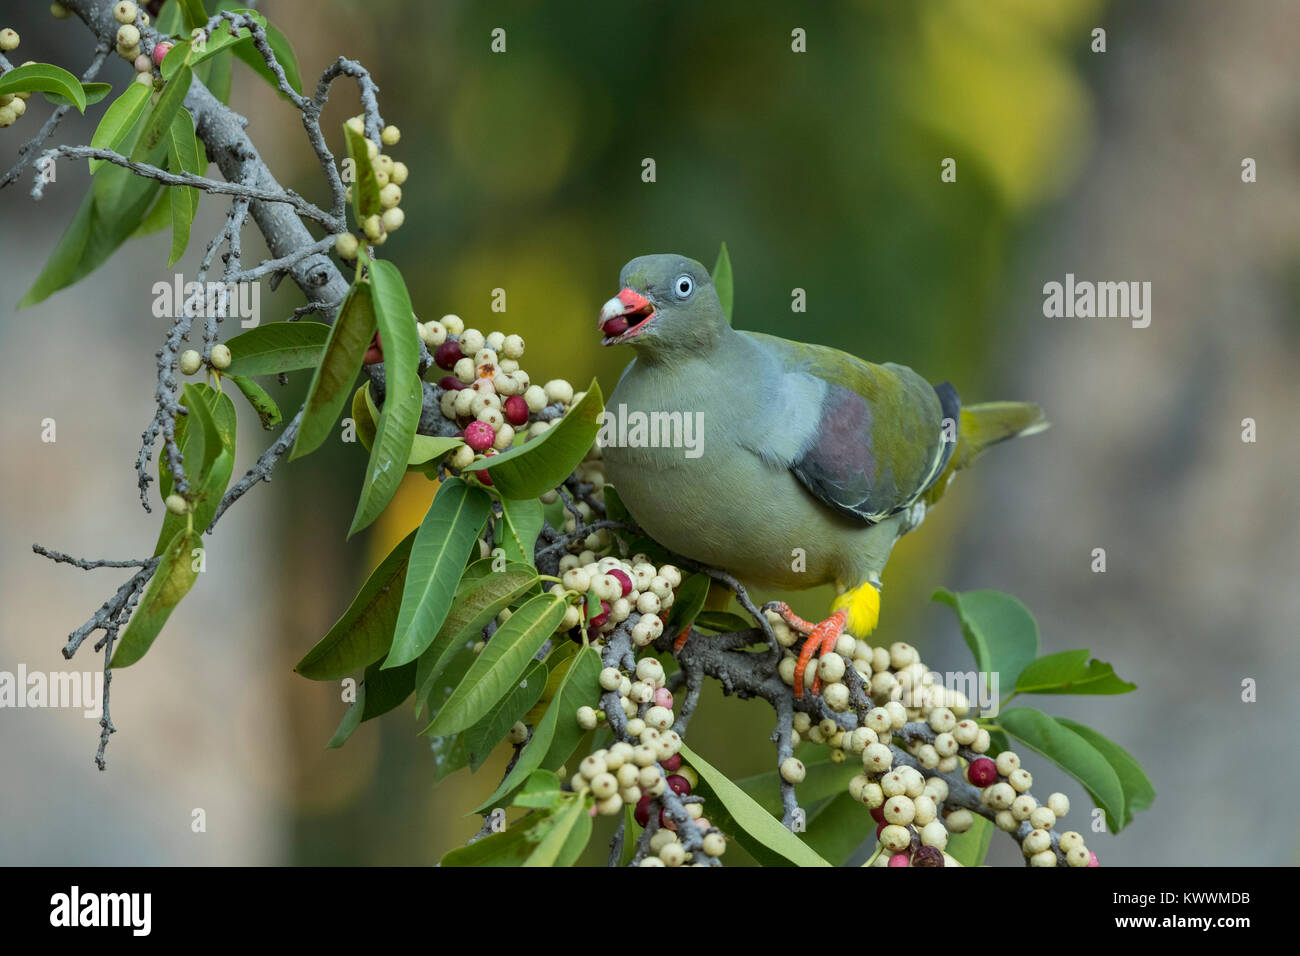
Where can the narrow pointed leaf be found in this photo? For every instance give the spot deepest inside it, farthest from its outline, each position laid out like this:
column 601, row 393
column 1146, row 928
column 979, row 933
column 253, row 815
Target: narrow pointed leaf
column 500, row 665
column 722, row 281
column 119, row 119
column 339, row 365
column 448, row 530
column 171, row 581
column 363, row 634
column 267, row 411
column 998, row 629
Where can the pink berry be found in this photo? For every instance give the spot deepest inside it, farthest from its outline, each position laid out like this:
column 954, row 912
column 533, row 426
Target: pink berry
column 160, row 51
column 679, row 785
column 703, row 823
column 1093, row 861
column 982, row 772
column 515, row 410
column 900, row 859
column 447, row 355
column 671, row 763
column 480, row 436
column 622, row 578
column 664, row 698
column 450, row 383
column 642, row 812
column 142, row 64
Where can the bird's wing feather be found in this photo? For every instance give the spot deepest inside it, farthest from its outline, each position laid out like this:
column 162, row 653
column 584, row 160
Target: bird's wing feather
column 866, row 439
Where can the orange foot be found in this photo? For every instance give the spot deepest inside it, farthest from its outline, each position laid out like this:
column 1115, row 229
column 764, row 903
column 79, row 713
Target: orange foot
column 821, row 639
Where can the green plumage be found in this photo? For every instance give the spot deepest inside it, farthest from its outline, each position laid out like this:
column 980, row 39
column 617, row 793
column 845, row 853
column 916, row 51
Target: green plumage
column 812, row 461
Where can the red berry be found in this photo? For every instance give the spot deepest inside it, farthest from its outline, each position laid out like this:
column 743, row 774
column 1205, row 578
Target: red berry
column 671, row 763
column 666, row 821
column 447, row 355
column 376, row 351
column 878, row 814
column 615, row 326
column 515, row 410
column 899, row 859
column 160, row 51
column 600, row 618
column 622, row 578
column 450, row 383
column 480, row 436
column 982, row 772
column 642, row 812
column 679, row 785
column 880, row 828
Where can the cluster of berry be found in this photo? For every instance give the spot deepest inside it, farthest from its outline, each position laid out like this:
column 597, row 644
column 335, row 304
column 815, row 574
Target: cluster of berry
column 12, row 105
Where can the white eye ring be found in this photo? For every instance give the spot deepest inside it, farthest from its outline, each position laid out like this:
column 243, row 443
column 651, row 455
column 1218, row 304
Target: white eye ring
column 683, row 286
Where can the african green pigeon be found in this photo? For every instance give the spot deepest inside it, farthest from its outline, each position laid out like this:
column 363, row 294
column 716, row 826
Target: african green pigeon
column 786, row 465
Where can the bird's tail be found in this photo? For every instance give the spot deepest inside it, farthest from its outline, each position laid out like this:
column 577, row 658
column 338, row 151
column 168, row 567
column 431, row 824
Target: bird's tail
column 983, row 426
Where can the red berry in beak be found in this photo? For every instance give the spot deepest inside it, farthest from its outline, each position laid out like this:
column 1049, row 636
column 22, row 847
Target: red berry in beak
column 447, row 355
column 479, row 436
column 616, row 326
column 622, row 578
column 515, row 410
column 450, row 383
column 982, row 772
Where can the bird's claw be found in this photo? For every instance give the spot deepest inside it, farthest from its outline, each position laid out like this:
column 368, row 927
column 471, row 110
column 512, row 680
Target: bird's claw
column 792, row 620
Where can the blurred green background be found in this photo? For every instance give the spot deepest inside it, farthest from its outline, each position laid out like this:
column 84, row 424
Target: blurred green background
column 821, row 171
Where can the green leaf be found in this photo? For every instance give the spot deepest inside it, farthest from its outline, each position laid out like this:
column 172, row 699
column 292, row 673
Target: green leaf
column 500, row 665
column 214, row 443
column 424, row 448
column 119, row 119
column 691, row 595
column 158, row 218
column 970, row 848
column 496, row 723
column 541, row 791
column 330, row 386
column 195, row 15
column 565, row 837
column 184, row 156
column 541, row 464
column 551, row 735
column 1074, row 754
column 215, row 73
column 277, row 347
column 45, row 78
column 1138, row 791
column 221, row 40
column 507, row 848
column 750, row 816
column 1070, row 672
column 364, row 632
column 396, row 321
column 365, row 187
column 153, row 135
column 998, row 629
column 723, row 621
column 722, row 281
column 442, row 543
column 838, row 827
column 380, row 692
column 822, row 779
column 94, row 93
column 171, row 581
column 391, row 448
column 521, row 523
column 478, row 599
column 267, row 411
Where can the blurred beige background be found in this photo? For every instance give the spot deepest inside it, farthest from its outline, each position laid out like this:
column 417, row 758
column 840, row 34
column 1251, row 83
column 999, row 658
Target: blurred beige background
column 820, row 173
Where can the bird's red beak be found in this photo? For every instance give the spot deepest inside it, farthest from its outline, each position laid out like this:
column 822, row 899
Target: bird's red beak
column 624, row 316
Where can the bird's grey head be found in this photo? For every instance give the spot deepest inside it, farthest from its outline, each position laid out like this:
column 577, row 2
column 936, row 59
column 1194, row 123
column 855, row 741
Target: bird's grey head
column 668, row 306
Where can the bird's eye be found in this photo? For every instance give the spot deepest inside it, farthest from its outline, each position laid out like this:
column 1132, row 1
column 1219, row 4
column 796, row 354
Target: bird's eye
column 683, row 286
